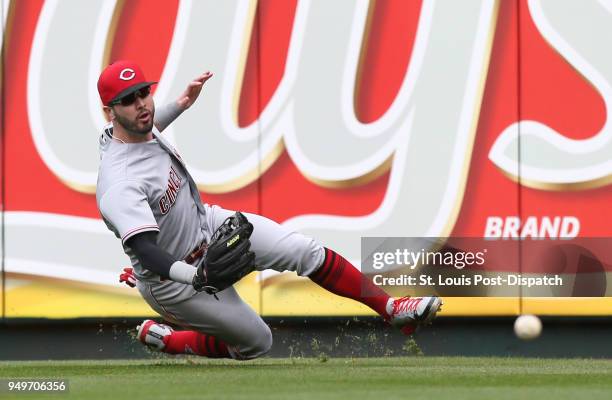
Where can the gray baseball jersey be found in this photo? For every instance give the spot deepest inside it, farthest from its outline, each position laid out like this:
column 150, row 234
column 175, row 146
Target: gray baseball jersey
column 145, row 187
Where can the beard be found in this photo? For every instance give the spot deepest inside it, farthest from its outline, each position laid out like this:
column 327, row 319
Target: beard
column 134, row 126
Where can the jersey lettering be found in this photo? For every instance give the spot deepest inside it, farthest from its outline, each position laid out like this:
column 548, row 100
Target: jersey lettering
column 171, row 193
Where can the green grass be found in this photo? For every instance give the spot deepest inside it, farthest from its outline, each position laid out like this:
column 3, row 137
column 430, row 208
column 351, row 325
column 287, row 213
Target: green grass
column 360, row 378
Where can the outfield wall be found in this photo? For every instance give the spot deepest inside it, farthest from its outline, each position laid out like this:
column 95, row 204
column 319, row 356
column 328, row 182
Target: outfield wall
column 337, row 119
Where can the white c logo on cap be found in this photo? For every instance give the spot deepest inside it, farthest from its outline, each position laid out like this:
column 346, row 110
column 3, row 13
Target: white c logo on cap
column 127, row 74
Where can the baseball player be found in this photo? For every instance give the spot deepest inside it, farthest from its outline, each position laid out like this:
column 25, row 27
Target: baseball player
column 185, row 254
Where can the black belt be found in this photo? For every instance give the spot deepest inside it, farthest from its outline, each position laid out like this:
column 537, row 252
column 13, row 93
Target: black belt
column 197, row 253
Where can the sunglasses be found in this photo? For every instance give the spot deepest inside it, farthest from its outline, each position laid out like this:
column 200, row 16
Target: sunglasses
column 131, row 98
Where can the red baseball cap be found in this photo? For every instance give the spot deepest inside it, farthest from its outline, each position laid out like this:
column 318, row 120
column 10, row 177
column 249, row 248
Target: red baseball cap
column 120, row 79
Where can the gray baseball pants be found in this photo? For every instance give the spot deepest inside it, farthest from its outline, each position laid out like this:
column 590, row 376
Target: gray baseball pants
column 229, row 318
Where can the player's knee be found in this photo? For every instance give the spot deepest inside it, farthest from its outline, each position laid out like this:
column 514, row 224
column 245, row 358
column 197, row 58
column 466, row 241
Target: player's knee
column 311, row 257
column 259, row 346
column 265, row 343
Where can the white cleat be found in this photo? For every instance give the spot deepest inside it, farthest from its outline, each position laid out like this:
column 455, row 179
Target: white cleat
column 407, row 313
column 153, row 334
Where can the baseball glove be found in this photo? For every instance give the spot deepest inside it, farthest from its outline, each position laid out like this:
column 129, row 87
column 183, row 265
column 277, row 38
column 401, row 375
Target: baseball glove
column 228, row 257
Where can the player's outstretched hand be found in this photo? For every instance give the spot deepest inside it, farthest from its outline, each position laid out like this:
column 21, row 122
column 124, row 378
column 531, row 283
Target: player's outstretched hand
column 189, row 96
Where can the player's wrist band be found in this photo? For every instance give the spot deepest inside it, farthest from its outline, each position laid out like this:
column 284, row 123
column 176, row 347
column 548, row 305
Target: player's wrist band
column 182, row 272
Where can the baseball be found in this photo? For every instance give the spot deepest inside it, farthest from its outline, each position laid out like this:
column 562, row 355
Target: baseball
column 527, row 327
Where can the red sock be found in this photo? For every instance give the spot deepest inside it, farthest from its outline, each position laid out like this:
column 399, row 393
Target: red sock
column 340, row 277
column 192, row 342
